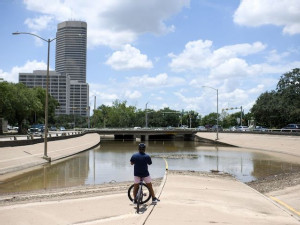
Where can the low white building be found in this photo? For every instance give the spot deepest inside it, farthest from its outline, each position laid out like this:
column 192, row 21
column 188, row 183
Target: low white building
column 59, row 86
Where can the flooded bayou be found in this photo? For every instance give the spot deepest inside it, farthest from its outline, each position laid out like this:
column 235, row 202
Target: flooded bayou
column 109, row 163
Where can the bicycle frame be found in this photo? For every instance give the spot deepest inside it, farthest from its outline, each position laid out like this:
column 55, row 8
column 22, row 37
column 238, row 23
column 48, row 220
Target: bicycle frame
column 142, row 196
column 139, row 196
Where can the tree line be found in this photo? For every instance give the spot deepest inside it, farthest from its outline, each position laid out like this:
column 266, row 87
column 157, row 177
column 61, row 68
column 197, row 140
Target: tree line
column 22, row 106
column 274, row 109
column 281, row 106
column 120, row 115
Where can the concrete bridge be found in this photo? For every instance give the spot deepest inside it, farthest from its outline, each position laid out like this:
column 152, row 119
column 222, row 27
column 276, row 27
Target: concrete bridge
column 147, row 134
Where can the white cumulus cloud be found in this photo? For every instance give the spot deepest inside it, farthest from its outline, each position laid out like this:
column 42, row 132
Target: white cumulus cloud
column 38, row 23
column 132, row 94
column 200, row 55
column 13, row 74
column 129, row 58
column 195, row 55
column 161, row 80
column 283, row 13
column 112, row 22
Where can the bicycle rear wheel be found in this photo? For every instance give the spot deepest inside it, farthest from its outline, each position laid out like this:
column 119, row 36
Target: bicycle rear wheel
column 146, row 194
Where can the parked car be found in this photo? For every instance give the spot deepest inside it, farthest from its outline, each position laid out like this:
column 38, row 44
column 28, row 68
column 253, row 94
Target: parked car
column 243, row 128
column 36, row 128
column 215, row 127
column 233, row 128
column 260, row 129
column 201, row 128
column 62, row 129
column 52, row 128
column 292, row 126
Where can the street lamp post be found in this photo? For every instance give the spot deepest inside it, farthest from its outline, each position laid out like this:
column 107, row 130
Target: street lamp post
column 146, row 116
column 47, row 87
column 217, row 138
column 89, row 123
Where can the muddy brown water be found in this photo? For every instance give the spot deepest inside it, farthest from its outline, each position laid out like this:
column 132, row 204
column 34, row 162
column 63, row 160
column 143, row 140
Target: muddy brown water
column 109, row 163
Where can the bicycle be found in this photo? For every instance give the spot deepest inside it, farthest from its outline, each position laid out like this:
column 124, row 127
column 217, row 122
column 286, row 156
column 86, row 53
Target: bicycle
column 142, row 196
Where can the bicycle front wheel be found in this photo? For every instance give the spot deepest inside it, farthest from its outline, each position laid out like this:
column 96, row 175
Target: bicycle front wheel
column 146, row 194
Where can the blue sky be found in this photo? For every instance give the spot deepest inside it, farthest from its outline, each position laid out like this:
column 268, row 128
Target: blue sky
column 163, row 52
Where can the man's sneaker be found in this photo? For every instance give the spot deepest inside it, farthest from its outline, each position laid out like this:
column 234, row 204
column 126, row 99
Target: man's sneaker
column 155, row 200
column 134, row 201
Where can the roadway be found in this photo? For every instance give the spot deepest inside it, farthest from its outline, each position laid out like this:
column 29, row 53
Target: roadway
column 287, row 144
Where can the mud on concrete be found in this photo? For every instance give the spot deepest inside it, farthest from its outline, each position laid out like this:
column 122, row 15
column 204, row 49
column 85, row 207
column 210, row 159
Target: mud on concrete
column 276, row 182
column 69, row 192
column 263, row 185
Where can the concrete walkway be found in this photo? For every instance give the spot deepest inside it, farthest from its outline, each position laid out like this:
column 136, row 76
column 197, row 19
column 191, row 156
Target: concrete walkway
column 22, row 157
column 289, row 197
column 185, row 199
column 214, row 200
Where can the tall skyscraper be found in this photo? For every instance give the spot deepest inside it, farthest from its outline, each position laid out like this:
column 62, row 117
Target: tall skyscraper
column 68, row 82
column 70, row 59
column 71, row 45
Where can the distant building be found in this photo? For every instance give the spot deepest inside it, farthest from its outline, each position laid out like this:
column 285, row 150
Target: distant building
column 79, row 95
column 59, row 86
column 68, row 82
column 70, row 58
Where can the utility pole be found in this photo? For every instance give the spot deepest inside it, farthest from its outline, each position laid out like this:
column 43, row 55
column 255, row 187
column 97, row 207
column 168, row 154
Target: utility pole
column 146, row 116
column 241, row 115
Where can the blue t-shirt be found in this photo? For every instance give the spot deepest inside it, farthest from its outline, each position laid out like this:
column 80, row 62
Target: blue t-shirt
column 141, row 162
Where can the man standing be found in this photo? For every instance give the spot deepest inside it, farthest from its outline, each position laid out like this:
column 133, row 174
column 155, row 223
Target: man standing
column 141, row 160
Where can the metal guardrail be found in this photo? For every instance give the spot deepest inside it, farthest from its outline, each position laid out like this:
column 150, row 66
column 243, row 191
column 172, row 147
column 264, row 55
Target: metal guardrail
column 17, row 137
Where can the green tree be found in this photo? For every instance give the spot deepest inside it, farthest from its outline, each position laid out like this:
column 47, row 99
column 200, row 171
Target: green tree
column 140, row 118
column 210, row 119
column 117, row 115
column 38, row 116
column 121, row 115
column 191, row 119
column 281, row 106
column 288, row 91
column 19, row 104
column 266, row 110
column 100, row 117
column 68, row 121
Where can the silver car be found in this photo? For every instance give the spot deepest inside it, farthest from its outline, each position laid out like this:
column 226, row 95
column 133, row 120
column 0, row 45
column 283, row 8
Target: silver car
column 243, row 128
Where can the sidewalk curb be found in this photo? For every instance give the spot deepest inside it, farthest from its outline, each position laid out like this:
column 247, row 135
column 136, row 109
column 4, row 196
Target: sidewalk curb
column 145, row 217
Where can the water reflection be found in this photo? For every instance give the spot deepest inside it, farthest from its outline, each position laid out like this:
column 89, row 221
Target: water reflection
column 110, row 163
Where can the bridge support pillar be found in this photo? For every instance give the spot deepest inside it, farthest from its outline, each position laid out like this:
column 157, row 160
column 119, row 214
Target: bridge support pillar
column 138, row 138
column 146, row 137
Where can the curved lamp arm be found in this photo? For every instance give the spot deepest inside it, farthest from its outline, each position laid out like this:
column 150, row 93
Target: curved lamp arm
column 49, row 40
